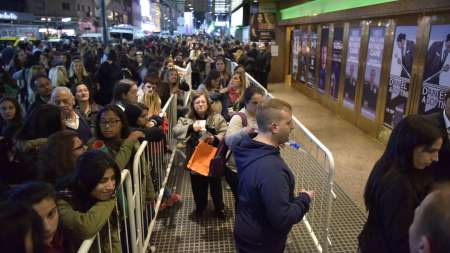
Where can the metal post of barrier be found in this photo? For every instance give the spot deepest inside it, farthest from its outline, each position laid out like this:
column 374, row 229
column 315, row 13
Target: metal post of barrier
column 187, row 76
column 137, row 194
column 151, row 156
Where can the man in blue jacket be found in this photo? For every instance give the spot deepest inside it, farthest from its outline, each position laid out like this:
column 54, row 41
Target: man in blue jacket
column 268, row 207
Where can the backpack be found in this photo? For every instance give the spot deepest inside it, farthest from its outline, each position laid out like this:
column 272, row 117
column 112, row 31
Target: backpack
column 217, row 164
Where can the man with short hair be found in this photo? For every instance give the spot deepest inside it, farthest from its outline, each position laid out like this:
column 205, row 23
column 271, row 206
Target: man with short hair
column 406, row 57
column 268, row 207
column 430, row 230
column 263, row 59
column 42, row 88
column 63, row 97
column 437, row 63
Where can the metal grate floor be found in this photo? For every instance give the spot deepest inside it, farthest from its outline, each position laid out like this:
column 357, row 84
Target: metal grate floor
column 176, row 231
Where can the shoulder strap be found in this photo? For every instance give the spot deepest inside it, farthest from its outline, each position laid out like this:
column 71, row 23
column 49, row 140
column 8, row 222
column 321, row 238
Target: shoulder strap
column 243, row 118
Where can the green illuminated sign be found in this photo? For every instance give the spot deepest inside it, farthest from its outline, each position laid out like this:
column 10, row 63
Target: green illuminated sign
column 324, row 6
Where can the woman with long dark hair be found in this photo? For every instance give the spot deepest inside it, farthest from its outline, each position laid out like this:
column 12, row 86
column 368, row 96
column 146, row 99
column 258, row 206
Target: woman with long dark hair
column 211, row 87
column 10, row 117
column 397, row 184
column 58, row 157
column 8, row 86
column 41, row 197
column 113, row 135
column 18, row 61
column 21, row 229
column 88, row 201
column 138, row 119
column 220, row 65
column 85, row 104
column 211, row 83
column 39, row 125
column 241, row 124
column 125, row 92
column 10, row 123
column 231, row 95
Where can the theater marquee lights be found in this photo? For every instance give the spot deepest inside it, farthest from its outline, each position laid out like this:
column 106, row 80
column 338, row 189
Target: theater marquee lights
column 8, row 15
column 324, row 6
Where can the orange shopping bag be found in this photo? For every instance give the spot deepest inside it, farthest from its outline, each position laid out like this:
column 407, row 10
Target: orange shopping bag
column 201, row 158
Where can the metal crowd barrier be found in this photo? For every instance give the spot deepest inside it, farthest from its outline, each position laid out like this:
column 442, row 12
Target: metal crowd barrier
column 187, row 76
column 154, row 157
column 152, row 161
column 159, row 158
column 124, row 215
column 313, row 167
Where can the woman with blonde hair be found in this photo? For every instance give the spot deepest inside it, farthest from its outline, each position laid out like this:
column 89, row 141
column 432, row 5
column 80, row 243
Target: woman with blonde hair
column 78, row 73
column 220, row 65
column 58, row 76
column 148, row 94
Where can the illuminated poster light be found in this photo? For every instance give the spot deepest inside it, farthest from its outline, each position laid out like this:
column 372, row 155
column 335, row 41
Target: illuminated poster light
column 324, row 6
column 155, row 14
column 221, row 23
column 146, row 24
column 237, row 17
column 188, row 23
column 150, row 13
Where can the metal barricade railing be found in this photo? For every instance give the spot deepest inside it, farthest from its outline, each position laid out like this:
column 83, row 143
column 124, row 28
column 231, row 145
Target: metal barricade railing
column 152, row 161
column 125, row 221
column 157, row 160
column 313, row 167
column 187, row 76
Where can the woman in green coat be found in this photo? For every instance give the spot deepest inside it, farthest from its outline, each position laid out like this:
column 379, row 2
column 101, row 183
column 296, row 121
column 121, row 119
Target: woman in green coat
column 88, row 201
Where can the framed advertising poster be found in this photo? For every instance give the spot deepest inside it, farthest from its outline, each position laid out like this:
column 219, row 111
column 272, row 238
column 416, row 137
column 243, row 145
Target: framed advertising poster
column 304, row 56
column 323, row 58
column 400, row 74
column 295, row 52
column 336, row 59
column 436, row 76
column 262, row 26
column 312, row 59
column 351, row 69
column 373, row 72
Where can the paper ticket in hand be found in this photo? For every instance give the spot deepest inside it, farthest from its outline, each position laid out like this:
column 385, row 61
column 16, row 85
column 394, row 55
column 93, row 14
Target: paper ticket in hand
column 202, row 124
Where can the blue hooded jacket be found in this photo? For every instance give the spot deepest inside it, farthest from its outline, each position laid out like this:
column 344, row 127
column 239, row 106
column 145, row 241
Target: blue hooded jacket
column 267, row 206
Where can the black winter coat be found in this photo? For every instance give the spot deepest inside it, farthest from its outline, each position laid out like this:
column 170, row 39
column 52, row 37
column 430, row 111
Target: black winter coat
column 396, row 196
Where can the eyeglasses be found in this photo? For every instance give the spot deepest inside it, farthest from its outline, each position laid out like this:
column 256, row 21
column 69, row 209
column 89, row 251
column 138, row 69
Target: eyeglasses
column 111, row 123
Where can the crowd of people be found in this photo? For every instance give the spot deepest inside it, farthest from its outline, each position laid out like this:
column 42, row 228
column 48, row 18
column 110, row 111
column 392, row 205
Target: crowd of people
column 72, row 116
